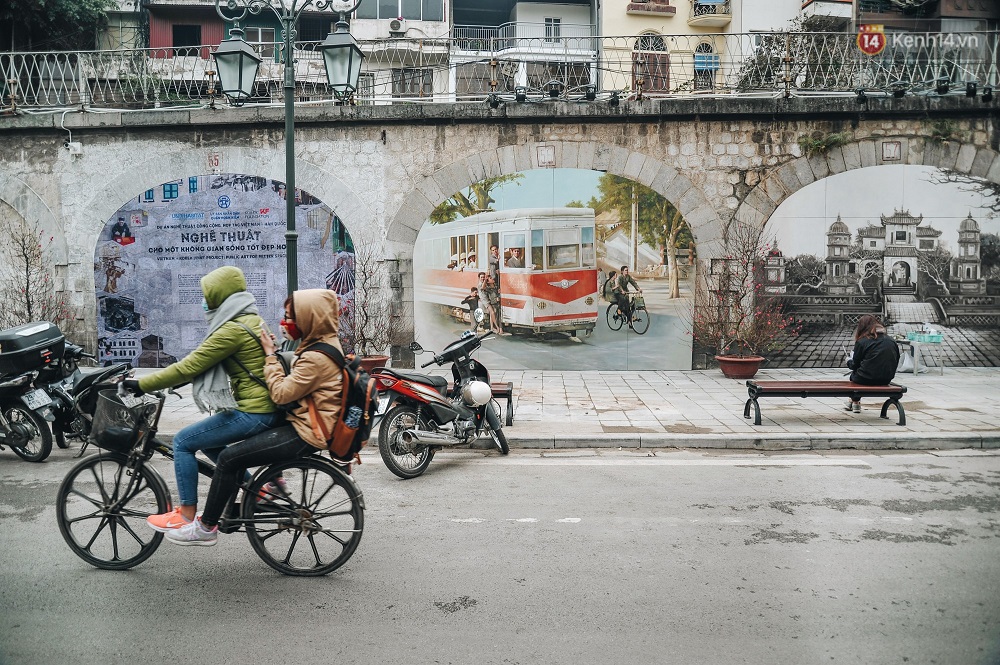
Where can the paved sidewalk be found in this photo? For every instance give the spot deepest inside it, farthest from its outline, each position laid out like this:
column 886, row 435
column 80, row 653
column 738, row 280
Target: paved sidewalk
column 703, row 409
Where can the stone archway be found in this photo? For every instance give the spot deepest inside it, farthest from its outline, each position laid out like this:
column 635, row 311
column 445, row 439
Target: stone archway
column 428, row 192
column 765, row 196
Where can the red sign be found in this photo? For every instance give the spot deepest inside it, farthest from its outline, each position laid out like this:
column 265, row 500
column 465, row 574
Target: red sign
column 871, row 39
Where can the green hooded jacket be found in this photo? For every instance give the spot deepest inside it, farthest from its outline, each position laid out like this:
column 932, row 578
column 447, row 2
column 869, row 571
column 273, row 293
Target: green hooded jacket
column 230, row 339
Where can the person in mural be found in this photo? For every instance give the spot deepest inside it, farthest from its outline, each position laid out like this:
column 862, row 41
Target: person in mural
column 494, row 268
column 874, row 359
column 218, row 370
column 120, row 231
column 624, row 302
column 490, row 293
column 311, row 316
column 516, row 259
column 472, row 300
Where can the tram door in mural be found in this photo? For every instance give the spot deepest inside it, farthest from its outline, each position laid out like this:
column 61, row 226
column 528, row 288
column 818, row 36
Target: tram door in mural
column 153, row 252
column 535, row 249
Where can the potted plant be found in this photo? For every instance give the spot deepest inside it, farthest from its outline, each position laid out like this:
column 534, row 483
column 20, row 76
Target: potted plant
column 372, row 312
column 733, row 316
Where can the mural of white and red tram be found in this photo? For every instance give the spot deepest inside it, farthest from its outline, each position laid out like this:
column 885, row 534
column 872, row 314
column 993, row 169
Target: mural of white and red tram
column 555, row 291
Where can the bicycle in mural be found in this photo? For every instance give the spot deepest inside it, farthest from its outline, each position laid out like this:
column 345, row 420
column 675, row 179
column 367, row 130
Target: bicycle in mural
column 639, row 322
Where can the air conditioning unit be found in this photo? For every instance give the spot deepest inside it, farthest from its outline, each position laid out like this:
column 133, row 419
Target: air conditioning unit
column 397, row 27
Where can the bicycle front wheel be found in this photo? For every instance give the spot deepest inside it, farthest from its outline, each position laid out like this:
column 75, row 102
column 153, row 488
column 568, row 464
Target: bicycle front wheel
column 640, row 323
column 102, row 511
column 314, row 526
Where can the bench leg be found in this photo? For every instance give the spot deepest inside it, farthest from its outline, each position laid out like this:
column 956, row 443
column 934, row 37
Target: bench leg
column 510, row 410
column 899, row 410
column 756, row 410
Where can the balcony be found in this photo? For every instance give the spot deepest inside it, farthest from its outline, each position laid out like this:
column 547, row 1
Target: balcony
column 570, row 38
column 650, row 8
column 710, row 13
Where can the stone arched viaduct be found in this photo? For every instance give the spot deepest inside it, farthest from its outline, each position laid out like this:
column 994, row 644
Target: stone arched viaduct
column 383, row 169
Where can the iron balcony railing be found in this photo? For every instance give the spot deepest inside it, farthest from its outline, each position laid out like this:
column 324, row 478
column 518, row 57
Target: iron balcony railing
column 448, row 70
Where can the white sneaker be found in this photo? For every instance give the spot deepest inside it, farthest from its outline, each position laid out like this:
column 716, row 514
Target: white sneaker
column 849, row 406
column 194, row 533
column 857, row 407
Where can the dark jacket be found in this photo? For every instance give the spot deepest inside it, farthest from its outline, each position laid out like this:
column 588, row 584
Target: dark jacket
column 875, row 360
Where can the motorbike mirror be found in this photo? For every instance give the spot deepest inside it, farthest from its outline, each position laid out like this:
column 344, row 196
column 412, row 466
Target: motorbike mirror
column 416, row 348
column 479, row 314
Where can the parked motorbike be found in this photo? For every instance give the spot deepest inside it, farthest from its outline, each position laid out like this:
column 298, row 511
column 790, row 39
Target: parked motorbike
column 73, row 392
column 24, row 350
column 421, row 414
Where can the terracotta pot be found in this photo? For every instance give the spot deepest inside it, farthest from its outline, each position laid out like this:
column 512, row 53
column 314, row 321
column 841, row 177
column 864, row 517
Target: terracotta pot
column 739, row 367
column 368, row 363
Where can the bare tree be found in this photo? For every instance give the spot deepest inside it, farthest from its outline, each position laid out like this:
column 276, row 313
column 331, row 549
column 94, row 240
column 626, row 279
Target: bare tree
column 375, row 317
column 936, row 264
column 27, row 276
column 869, row 262
column 968, row 183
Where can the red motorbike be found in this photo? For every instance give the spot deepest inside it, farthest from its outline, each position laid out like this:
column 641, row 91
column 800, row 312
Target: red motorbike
column 422, row 415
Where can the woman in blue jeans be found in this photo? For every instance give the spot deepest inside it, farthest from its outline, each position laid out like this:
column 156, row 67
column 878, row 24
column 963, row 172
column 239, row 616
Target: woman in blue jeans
column 218, row 370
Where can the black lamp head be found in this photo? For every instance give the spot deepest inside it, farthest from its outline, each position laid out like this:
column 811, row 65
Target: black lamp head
column 942, row 87
column 520, row 93
column 899, row 89
column 615, row 98
column 590, row 93
column 555, row 88
column 862, row 97
column 987, row 93
column 494, row 100
column 970, row 89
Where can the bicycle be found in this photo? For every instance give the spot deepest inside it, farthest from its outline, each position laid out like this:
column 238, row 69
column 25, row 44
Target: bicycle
column 310, row 528
column 640, row 316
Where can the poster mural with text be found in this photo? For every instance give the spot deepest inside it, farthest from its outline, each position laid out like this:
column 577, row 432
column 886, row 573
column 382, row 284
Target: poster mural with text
column 153, row 252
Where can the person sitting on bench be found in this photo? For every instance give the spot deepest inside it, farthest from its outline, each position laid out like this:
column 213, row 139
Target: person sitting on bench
column 874, row 359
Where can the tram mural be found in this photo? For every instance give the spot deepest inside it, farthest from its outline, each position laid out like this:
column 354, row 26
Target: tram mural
column 535, row 250
column 154, row 250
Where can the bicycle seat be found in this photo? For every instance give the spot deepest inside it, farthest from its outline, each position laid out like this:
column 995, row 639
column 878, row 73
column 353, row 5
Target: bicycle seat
column 438, row 382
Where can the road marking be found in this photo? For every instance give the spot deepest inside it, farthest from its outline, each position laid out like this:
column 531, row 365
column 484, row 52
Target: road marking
column 569, row 520
column 469, row 520
column 662, row 461
column 526, row 520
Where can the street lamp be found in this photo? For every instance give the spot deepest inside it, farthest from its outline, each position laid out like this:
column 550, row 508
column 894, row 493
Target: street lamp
column 237, row 64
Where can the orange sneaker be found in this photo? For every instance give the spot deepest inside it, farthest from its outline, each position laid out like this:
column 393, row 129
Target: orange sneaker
column 167, row 521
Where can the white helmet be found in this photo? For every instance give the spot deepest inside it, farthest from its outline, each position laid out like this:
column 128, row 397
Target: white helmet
column 476, row 393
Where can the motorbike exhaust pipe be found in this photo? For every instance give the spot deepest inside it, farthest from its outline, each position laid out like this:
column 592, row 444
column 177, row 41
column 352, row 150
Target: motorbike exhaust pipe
column 429, row 438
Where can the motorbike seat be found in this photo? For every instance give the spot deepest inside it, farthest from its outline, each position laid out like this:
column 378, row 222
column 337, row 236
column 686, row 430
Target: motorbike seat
column 85, row 379
column 439, row 382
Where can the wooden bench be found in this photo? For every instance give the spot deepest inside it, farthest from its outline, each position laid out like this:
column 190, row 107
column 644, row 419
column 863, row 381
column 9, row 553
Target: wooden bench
column 855, row 391
column 501, row 391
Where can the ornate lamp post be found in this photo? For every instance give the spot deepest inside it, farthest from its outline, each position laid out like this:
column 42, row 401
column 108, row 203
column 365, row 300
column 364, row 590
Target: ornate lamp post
column 237, row 64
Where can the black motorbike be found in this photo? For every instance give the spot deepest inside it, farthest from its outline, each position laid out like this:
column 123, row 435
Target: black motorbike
column 423, row 414
column 24, row 351
column 74, row 392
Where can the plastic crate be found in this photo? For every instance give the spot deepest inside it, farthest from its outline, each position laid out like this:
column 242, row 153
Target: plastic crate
column 929, row 338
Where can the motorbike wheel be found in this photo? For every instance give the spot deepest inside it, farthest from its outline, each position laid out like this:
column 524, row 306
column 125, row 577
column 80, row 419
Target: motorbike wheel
column 493, row 421
column 39, row 443
column 60, row 437
column 404, row 460
column 102, row 508
column 614, row 321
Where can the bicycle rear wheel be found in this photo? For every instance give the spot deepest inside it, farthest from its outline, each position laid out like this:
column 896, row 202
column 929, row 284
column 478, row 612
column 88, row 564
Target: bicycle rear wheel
column 640, row 324
column 102, row 511
column 614, row 319
column 312, row 529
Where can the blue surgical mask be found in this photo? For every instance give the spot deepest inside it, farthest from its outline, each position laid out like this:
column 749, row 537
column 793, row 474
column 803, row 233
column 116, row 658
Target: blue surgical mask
column 204, row 304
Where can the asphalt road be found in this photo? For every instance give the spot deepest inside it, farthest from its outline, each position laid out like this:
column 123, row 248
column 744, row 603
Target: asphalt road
column 574, row 557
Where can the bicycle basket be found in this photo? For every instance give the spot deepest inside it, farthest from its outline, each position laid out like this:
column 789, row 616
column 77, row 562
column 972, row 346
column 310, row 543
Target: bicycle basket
column 639, row 303
column 116, row 426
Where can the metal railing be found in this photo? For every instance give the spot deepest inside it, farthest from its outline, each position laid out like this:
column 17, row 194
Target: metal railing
column 702, row 8
column 442, row 70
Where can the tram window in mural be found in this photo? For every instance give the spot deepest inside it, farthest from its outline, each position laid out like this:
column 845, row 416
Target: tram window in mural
column 153, row 252
column 912, row 244
column 535, row 249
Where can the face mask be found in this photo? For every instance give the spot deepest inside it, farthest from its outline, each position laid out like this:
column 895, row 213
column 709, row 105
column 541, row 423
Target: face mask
column 204, row 304
column 290, row 330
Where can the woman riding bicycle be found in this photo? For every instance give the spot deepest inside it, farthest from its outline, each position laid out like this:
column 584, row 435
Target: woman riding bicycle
column 311, row 315
column 218, row 370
